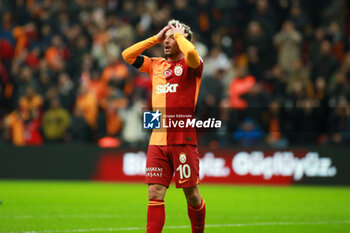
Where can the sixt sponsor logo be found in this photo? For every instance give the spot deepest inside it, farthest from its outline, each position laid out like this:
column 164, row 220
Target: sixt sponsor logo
column 167, row 88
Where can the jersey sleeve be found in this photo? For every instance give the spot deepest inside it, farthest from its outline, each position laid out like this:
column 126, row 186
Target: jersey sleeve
column 146, row 65
column 189, row 50
column 132, row 55
column 199, row 70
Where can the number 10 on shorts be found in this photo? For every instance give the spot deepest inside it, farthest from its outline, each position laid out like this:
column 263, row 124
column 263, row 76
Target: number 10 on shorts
column 184, row 170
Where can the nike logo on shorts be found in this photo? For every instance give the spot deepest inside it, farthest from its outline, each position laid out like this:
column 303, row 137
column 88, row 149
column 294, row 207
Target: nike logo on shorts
column 182, row 181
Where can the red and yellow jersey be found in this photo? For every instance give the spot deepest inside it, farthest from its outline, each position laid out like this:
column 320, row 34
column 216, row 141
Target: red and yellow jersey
column 175, row 88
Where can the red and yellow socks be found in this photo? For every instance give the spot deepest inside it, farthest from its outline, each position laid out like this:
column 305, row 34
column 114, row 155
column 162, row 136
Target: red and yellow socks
column 155, row 216
column 197, row 217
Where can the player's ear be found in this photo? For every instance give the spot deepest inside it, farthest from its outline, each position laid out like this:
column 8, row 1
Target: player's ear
column 186, row 35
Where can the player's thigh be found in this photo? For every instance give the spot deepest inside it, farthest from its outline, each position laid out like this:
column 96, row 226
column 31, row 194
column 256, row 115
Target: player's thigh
column 186, row 165
column 159, row 169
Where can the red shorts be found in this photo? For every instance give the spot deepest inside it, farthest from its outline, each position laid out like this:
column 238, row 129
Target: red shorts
column 163, row 161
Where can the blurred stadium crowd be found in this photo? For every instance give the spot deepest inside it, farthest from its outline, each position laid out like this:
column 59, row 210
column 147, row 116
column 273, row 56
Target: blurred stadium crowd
column 276, row 72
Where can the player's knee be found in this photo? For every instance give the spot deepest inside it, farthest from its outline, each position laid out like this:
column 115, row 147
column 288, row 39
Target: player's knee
column 156, row 192
column 194, row 199
column 193, row 196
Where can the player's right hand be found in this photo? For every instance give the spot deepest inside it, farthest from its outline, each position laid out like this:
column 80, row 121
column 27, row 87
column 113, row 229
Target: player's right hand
column 162, row 32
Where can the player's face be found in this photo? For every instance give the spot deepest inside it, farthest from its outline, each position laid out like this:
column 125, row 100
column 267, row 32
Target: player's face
column 171, row 48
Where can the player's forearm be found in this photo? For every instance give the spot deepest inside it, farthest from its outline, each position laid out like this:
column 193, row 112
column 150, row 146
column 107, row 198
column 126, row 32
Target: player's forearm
column 188, row 49
column 130, row 54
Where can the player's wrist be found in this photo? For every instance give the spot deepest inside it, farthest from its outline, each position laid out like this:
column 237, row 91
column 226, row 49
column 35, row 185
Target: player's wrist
column 156, row 39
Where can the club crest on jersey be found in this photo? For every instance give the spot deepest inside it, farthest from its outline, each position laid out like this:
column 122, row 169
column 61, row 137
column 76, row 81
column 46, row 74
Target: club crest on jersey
column 182, row 157
column 167, row 73
column 178, row 70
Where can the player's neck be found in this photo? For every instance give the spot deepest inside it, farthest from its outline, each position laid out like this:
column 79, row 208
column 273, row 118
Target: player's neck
column 176, row 57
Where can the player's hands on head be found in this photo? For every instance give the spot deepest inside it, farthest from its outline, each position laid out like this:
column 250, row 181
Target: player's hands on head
column 162, row 32
column 178, row 28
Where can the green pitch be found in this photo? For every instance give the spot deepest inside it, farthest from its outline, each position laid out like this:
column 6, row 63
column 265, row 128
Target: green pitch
column 44, row 207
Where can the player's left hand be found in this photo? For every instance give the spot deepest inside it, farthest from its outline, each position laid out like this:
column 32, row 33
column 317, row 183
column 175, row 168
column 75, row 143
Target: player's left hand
column 178, row 28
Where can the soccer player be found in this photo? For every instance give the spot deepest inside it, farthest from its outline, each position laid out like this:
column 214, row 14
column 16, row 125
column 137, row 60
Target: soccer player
column 175, row 85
